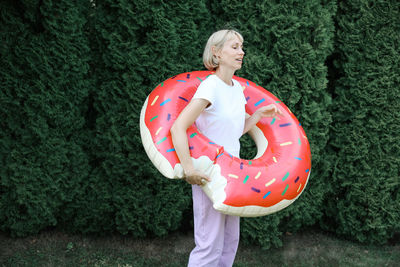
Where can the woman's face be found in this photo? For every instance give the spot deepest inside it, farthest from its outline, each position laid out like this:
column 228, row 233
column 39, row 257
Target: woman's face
column 231, row 55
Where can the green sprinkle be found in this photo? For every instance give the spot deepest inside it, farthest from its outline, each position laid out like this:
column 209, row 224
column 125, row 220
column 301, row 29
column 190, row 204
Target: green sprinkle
column 299, row 141
column 249, row 162
column 199, row 79
column 273, row 121
column 286, row 176
column 162, row 140
column 278, row 101
column 193, row 135
column 286, row 188
column 155, row 117
column 162, row 84
column 245, row 179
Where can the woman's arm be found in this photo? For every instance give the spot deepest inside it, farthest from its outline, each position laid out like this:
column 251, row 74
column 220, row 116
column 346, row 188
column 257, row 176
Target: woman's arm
column 263, row 112
column 179, row 138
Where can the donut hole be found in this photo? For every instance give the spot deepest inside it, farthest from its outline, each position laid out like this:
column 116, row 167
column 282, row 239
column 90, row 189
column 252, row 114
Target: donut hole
column 253, row 144
column 248, row 148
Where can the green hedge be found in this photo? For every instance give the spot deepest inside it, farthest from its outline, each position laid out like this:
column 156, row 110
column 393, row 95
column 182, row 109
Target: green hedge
column 365, row 200
column 74, row 76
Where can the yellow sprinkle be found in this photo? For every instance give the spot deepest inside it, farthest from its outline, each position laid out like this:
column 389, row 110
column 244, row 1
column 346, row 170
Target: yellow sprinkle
column 299, row 188
column 258, row 175
column 233, row 176
column 270, row 182
column 154, row 101
column 289, row 110
column 217, row 151
column 159, row 129
column 274, row 159
column 243, row 87
column 287, row 143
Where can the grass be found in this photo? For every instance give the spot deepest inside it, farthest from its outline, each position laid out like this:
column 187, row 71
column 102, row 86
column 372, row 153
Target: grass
column 310, row 248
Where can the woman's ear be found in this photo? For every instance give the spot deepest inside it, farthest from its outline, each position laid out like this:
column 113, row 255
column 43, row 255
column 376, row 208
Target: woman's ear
column 215, row 51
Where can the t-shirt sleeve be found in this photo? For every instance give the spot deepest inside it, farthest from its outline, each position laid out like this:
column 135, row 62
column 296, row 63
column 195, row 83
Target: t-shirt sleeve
column 205, row 91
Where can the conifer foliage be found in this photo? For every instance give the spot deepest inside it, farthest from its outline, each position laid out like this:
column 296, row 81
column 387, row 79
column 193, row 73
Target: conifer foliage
column 75, row 74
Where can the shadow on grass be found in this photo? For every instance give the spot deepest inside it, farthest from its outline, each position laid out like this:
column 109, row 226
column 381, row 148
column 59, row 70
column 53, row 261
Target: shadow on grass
column 310, row 248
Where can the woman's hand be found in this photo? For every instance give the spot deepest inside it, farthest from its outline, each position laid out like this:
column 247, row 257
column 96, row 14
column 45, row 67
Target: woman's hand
column 268, row 111
column 196, row 177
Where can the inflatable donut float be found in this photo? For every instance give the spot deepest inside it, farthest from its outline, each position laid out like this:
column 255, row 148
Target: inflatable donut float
column 271, row 181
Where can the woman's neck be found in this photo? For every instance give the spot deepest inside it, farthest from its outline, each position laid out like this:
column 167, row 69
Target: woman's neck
column 225, row 75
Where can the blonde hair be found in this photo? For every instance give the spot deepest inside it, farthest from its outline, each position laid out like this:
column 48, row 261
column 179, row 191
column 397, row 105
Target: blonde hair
column 218, row 40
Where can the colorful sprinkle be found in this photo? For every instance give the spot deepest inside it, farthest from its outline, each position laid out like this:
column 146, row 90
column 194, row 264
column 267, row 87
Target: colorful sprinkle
column 247, row 98
column 278, row 101
column 285, row 124
column 191, row 147
column 161, row 140
column 158, row 131
column 249, row 162
column 155, row 117
column 193, row 135
column 297, row 179
column 211, row 143
column 270, row 182
column 247, row 82
column 255, row 190
column 165, row 102
column 245, row 179
column 267, row 194
column 184, row 99
column 297, row 158
column 299, row 141
column 188, row 76
column 299, row 188
column 243, row 87
column 199, row 79
column 162, row 84
column 241, row 165
column 220, row 155
column 273, row 121
column 286, row 144
column 233, row 176
column 259, row 102
column 154, row 101
column 258, row 175
column 168, row 117
column 274, row 159
column 286, row 188
column 285, row 177
column 307, row 170
column 182, row 81
column 171, row 150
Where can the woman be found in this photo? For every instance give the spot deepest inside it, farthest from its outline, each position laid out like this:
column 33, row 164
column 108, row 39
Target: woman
column 218, row 109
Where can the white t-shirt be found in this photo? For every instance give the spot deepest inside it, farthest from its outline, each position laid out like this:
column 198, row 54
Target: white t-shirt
column 223, row 121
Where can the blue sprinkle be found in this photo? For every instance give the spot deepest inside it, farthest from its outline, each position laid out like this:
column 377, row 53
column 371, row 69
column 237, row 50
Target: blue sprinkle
column 168, row 117
column 297, row 158
column 211, row 143
column 165, row 102
column 241, row 165
column 191, row 147
column 219, row 155
column 182, row 81
column 299, row 124
column 188, row 76
column 229, row 155
column 297, row 179
column 247, row 82
column 247, row 98
column 267, row 194
column 171, row 149
column 259, row 102
column 255, row 189
column 286, row 124
column 307, row 170
column 184, row 99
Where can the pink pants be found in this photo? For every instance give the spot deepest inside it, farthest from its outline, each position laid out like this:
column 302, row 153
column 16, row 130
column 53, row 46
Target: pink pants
column 216, row 235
